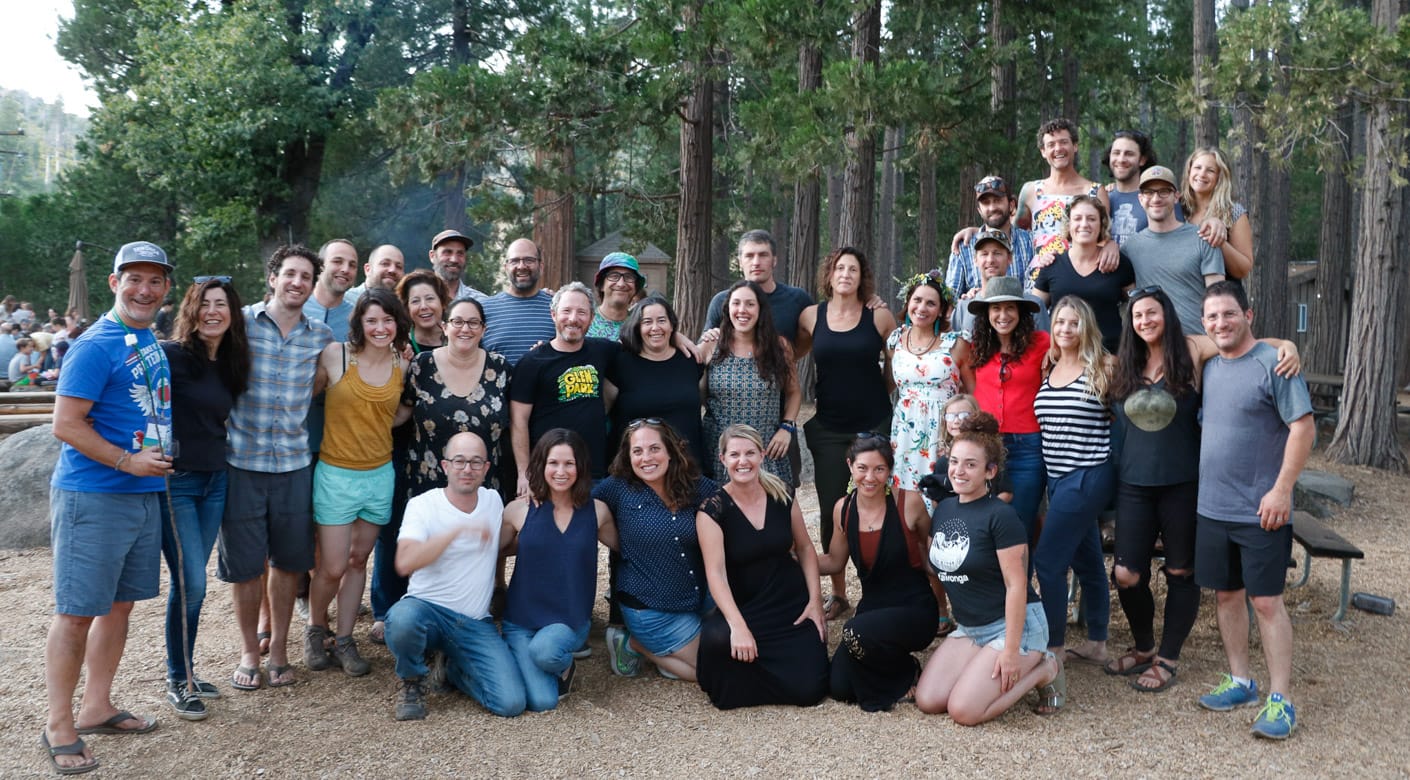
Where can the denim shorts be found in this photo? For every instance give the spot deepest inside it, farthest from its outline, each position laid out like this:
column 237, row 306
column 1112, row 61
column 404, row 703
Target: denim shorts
column 341, row 495
column 664, row 633
column 107, row 548
column 1035, row 631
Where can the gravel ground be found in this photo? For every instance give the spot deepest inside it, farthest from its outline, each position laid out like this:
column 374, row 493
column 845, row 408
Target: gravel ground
column 329, row 725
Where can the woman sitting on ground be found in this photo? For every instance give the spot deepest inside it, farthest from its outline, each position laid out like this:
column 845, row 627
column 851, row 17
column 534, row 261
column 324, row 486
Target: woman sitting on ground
column 548, row 608
column 873, row 665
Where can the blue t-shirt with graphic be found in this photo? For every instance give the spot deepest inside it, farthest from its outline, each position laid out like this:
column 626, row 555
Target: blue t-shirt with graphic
column 129, row 382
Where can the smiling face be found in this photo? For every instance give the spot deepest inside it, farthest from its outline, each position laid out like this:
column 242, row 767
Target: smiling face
column 1158, row 199
column 923, row 306
column 969, row 470
column 744, row 309
column 742, row 459
column 572, row 317
column 339, row 268
column 618, row 287
column 384, row 267
column 1059, row 149
column 213, row 316
column 955, row 415
column 464, row 327
column 650, row 460
column 1084, row 224
column 1003, row 317
column 994, row 209
column 521, row 267
column 293, row 282
column 379, row 327
column 139, row 291
column 1125, row 161
column 656, row 330
column 423, row 303
column 1229, row 325
column 992, row 259
column 1203, row 175
column 1067, row 328
column 870, row 474
column 1148, row 320
column 560, row 469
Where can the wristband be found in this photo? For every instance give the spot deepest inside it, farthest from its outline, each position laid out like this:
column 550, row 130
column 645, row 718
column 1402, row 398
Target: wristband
column 787, row 425
column 121, row 460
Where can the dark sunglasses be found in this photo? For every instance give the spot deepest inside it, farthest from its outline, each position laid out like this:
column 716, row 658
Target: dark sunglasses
column 638, row 422
column 1150, row 290
column 204, row 279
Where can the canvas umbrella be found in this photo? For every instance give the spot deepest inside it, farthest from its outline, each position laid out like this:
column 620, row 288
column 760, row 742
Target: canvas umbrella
column 78, row 284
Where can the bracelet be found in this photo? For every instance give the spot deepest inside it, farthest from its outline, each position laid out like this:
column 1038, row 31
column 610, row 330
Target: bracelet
column 121, row 460
column 787, row 425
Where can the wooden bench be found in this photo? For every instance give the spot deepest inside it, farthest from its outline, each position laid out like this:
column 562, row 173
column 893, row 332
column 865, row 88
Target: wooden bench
column 1319, row 541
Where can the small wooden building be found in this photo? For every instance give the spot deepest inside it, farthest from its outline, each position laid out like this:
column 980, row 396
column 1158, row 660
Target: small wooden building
column 655, row 264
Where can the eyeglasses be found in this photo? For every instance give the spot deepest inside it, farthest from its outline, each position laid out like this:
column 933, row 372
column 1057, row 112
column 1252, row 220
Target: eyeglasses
column 461, row 464
column 521, row 261
column 458, row 322
column 638, row 422
column 204, row 279
column 958, row 416
column 1151, row 290
column 1160, row 194
column 617, row 278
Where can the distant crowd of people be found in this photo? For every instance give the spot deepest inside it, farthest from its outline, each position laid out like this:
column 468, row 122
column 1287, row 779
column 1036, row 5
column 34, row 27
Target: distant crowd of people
column 1086, row 347
column 32, row 349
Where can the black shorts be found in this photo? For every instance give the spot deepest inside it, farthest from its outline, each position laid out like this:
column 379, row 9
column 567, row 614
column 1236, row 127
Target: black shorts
column 267, row 517
column 1145, row 513
column 1242, row 556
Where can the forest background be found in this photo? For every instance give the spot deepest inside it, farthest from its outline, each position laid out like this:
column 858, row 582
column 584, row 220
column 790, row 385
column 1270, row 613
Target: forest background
column 227, row 127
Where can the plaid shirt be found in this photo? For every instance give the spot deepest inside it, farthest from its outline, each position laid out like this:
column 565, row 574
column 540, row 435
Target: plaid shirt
column 962, row 275
column 266, row 428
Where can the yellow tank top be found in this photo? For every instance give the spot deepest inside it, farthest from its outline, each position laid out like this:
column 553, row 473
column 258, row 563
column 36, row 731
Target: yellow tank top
column 357, row 427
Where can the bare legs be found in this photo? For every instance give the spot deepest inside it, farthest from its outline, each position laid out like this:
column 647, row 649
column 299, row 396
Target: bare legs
column 73, row 642
column 1274, row 628
column 959, row 680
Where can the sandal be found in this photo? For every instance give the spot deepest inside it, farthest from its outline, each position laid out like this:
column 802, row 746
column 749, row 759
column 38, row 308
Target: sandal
column 1131, row 662
column 1154, row 672
column 946, row 627
column 378, row 633
column 275, row 673
column 74, row 748
column 1053, row 696
column 1077, row 656
column 110, row 726
column 835, row 606
column 252, row 674
column 263, row 639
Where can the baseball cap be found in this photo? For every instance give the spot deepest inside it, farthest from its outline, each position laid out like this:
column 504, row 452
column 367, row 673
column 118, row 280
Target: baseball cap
column 140, row 252
column 992, row 185
column 1159, row 173
column 993, row 234
column 452, row 235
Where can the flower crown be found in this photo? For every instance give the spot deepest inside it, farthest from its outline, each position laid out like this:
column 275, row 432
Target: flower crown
column 934, row 278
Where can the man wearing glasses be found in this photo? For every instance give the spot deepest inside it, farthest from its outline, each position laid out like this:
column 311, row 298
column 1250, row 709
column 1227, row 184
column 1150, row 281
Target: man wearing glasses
column 518, row 317
column 1170, row 253
column 448, row 546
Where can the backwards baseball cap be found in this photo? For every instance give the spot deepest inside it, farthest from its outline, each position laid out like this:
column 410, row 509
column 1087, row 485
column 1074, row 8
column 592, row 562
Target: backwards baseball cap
column 993, row 234
column 620, row 260
column 992, row 185
column 1159, row 173
column 140, row 252
column 452, row 235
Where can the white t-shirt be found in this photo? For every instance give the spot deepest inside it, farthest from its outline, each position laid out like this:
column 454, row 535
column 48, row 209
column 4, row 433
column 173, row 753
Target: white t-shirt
column 462, row 579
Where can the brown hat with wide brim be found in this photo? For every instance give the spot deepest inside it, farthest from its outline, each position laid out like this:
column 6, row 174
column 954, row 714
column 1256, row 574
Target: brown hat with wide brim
column 1002, row 289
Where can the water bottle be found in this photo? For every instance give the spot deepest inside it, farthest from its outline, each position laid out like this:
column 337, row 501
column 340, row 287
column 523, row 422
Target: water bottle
column 1370, row 602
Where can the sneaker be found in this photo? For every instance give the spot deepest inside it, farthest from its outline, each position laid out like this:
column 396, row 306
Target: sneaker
column 411, row 703
column 202, row 688
column 1276, row 720
column 436, row 671
column 316, row 649
column 625, row 661
column 186, row 703
column 301, row 606
column 565, row 683
column 346, row 654
column 1229, row 695
column 582, row 652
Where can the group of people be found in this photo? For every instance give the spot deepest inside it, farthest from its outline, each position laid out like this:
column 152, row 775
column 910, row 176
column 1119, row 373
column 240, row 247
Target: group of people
column 32, row 350
column 448, row 430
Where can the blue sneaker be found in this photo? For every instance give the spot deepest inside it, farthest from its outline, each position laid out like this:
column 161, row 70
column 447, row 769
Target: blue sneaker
column 1276, row 720
column 1229, row 695
column 625, row 661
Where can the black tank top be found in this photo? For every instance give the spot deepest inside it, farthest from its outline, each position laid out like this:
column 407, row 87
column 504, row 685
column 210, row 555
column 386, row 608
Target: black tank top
column 852, row 393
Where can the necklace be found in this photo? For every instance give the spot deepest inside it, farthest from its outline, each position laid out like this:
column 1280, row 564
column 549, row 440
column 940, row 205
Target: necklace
column 922, row 351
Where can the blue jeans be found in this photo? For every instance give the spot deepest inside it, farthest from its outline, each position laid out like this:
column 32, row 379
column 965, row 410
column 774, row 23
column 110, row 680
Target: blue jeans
column 1072, row 537
column 1024, row 466
column 542, row 656
column 388, row 586
column 198, row 499
column 478, row 661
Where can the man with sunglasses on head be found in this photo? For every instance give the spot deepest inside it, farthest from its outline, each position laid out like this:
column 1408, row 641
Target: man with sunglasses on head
column 1170, row 253
column 995, row 203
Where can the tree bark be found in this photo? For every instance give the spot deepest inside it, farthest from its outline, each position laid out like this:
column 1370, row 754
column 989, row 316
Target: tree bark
column 695, row 217
column 1206, row 56
column 1366, row 427
column 1003, row 91
column 721, row 245
column 803, row 253
column 927, row 232
column 1324, row 350
column 859, row 175
column 553, row 221
column 886, row 266
column 834, row 207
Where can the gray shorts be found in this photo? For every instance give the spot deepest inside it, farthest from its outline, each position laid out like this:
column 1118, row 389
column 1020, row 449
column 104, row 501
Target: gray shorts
column 267, row 517
column 107, row 548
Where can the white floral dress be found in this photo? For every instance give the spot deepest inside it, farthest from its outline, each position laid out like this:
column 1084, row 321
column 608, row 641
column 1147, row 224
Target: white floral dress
column 923, row 384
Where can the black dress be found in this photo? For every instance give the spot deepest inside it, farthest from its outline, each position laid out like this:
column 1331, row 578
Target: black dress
column 770, row 591
column 873, row 665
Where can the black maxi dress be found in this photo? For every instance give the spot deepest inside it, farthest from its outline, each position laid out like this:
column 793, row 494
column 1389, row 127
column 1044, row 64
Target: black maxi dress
column 770, row 591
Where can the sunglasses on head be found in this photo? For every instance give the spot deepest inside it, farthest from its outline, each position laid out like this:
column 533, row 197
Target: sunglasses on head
column 204, row 279
column 1149, row 290
column 638, row 422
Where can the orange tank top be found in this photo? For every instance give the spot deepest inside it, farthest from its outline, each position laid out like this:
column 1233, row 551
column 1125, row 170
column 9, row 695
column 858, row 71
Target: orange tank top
column 357, row 427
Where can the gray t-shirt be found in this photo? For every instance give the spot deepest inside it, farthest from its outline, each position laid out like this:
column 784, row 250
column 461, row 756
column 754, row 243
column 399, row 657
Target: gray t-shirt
column 1178, row 261
column 1247, row 410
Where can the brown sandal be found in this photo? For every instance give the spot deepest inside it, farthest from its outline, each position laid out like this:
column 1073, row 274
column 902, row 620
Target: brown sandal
column 835, row 607
column 1160, row 672
column 1131, row 662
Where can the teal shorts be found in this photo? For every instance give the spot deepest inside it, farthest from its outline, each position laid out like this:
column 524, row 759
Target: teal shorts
column 341, row 496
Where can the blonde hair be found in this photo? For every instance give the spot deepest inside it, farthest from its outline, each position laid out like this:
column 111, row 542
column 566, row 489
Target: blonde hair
column 945, row 438
column 776, row 488
column 1089, row 346
column 1221, row 201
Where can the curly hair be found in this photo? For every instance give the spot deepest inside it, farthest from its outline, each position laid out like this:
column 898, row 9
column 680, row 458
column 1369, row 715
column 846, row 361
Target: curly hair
column 581, row 491
column 987, row 343
column 1128, row 375
column 682, row 472
column 1143, row 144
column 1089, row 346
column 387, row 302
column 982, row 429
column 1055, row 126
column 232, row 357
column 866, row 286
column 282, row 253
column 771, row 356
column 427, row 277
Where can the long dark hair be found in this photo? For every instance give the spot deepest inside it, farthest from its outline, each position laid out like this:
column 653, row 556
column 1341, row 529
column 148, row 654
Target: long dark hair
column 581, row 492
column 232, row 357
column 986, row 340
column 770, row 357
column 387, row 302
column 631, row 329
column 1129, row 373
column 682, row 473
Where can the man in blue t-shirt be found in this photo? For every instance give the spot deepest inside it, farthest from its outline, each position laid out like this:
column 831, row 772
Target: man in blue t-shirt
column 518, row 317
column 113, row 414
column 1258, row 432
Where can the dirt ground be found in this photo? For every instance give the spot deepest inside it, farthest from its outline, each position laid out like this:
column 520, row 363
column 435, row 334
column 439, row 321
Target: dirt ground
column 1349, row 680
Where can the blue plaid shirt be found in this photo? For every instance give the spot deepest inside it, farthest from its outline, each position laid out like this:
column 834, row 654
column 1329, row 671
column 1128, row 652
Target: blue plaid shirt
column 962, row 275
column 265, row 432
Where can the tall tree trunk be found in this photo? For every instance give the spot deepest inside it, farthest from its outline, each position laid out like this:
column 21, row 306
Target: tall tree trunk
column 834, row 208
column 453, row 214
column 859, row 175
column 778, row 226
column 1366, row 427
column 285, row 219
column 886, row 264
column 803, row 252
column 722, row 245
column 1325, row 347
column 553, row 220
column 1070, row 108
column 695, row 217
column 927, row 232
column 1003, row 92
column 1206, row 56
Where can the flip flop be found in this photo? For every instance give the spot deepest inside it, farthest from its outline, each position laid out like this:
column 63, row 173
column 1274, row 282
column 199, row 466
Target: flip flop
column 272, row 673
column 1165, row 682
column 1072, row 656
column 835, row 607
column 262, row 639
column 246, row 671
column 110, row 726
column 74, row 748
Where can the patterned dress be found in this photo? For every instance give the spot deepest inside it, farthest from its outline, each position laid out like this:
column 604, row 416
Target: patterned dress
column 1050, row 224
column 738, row 395
column 437, row 414
column 923, row 384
